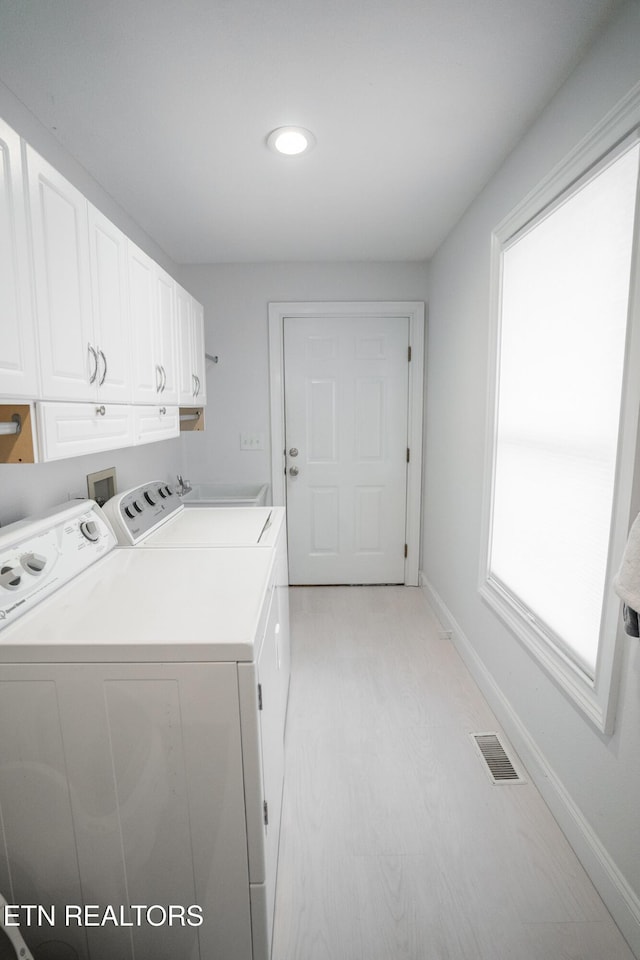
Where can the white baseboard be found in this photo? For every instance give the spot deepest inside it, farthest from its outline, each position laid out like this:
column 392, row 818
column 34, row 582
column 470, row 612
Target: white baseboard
column 620, row 899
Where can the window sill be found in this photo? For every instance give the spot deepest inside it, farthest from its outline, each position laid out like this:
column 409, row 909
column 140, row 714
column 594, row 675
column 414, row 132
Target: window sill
column 595, row 699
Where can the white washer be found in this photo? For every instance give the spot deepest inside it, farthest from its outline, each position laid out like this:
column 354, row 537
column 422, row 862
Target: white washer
column 132, row 745
column 153, row 517
column 153, row 514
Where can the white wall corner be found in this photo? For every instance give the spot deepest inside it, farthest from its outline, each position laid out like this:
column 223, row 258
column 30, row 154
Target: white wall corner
column 620, row 899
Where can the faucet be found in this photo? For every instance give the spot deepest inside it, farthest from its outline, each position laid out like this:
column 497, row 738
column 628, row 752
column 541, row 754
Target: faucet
column 183, row 486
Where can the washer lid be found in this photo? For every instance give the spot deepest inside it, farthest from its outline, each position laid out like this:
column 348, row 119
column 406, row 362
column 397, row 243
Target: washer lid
column 140, row 605
column 219, row 527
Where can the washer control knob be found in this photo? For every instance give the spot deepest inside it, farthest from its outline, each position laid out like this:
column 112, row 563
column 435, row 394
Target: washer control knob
column 149, row 498
column 90, row 530
column 137, row 507
column 10, row 577
column 33, row 563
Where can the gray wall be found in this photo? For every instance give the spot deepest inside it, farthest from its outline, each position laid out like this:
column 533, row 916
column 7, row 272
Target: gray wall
column 235, row 299
column 597, row 790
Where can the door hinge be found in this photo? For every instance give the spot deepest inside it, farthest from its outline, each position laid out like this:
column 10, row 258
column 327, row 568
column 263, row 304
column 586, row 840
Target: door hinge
column 265, row 813
column 409, row 354
column 406, row 551
column 259, row 696
column 408, row 454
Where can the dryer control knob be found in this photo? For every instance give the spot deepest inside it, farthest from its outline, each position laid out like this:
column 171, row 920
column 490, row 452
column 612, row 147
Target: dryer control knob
column 33, row 563
column 90, row 530
column 10, row 577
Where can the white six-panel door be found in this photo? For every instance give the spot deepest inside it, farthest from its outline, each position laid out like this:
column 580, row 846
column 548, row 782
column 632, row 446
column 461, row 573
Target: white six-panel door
column 346, row 430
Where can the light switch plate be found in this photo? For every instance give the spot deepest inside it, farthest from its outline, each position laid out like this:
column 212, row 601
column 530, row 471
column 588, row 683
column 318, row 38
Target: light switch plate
column 252, row 441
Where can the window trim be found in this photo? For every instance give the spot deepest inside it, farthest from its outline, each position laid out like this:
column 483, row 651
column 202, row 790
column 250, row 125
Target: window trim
column 595, row 698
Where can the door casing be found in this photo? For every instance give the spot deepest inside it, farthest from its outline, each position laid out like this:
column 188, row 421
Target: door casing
column 414, row 311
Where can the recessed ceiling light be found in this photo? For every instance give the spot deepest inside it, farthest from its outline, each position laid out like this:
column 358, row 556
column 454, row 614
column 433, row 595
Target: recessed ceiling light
column 291, row 141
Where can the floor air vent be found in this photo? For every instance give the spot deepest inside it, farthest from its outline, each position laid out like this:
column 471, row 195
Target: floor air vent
column 498, row 765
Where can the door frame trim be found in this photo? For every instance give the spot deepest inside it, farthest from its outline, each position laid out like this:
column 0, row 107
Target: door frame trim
column 414, row 312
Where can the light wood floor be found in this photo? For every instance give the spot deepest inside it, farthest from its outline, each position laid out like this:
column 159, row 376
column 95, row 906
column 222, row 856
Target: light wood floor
column 395, row 843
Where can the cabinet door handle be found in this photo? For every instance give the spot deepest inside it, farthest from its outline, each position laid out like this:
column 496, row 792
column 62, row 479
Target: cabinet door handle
column 163, row 410
column 164, row 379
column 104, row 372
column 101, row 411
column 93, row 353
column 158, row 378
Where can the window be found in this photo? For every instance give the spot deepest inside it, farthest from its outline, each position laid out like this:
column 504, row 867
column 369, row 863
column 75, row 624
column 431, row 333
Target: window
column 562, row 335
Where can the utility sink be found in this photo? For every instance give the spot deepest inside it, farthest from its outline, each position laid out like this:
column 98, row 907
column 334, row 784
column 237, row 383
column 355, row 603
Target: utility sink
column 227, row 495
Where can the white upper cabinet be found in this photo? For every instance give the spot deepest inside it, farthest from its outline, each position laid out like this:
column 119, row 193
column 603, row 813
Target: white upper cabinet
column 80, row 268
column 68, row 359
column 18, row 367
column 199, row 364
column 89, row 324
column 147, row 377
column 185, row 372
column 166, row 335
column 153, row 323
column 191, row 349
column 111, row 339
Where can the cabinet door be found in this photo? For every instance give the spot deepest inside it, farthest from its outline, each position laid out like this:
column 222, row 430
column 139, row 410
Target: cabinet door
column 18, row 365
column 139, row 802
column 108, row 252
column 166, row 335
column 147, row 377
column 184, row 330
column 199, row 364
column 190, row 331
column 73, row 429
column 157, row 422
column 68, row 358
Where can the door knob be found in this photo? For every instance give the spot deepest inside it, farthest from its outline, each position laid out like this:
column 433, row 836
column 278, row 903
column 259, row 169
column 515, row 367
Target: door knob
column 293, row 471
column 293, row 452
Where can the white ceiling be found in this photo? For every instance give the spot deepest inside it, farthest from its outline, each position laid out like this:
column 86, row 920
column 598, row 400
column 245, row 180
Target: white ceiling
column 414, row 103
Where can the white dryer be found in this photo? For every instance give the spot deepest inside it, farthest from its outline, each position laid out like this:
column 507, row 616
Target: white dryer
column 134, row 806
column 152, row 517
